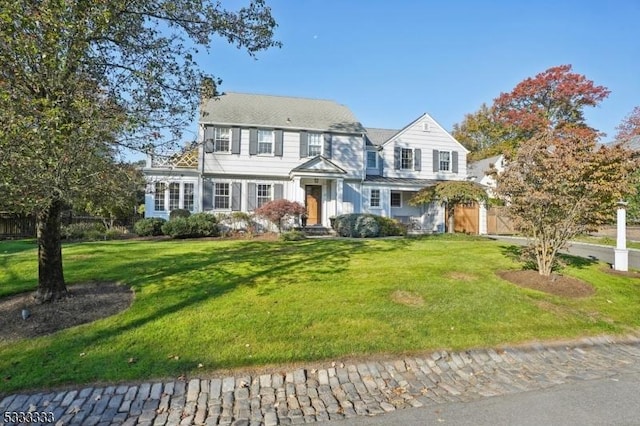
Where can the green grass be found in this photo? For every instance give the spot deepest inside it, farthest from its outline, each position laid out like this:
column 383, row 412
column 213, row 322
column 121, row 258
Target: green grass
column 227, row 304
column 605, row 241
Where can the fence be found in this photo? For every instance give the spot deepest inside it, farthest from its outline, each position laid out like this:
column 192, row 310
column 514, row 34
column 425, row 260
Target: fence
column 14, row 226
column 498, row 223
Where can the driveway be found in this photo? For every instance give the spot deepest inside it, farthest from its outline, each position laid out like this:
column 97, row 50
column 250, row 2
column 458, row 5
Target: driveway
column 593, row 251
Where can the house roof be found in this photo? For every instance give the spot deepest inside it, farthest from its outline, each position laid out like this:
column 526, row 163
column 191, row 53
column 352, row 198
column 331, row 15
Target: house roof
column 376, row 137
column 279, row 112
column 478, row 169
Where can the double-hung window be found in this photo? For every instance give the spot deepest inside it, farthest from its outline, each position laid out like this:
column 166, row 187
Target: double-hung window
column 174, row 196
column 188, row 196
column 406, row 159
column 265, row 141
column 445, row 161
column 221, row 139
column 221, row 195
column 315, row 144
column 372, row 160
column 159, row 196
column 263, row 194
column 374, row 200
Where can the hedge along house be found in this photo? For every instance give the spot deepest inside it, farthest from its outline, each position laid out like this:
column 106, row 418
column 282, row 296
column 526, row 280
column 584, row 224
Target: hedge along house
column 256, row 148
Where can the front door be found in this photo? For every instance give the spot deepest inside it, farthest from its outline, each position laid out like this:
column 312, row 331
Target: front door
column 313, row 201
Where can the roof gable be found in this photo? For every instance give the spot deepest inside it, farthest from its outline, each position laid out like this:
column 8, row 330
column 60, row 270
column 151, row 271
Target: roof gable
column 319, row 164
column 279, row 112
column 432, row 124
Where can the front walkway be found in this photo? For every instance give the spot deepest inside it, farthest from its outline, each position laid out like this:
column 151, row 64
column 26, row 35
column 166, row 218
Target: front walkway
column 336, row 391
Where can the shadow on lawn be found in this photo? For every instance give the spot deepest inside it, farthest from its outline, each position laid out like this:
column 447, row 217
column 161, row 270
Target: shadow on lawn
column 515, row 253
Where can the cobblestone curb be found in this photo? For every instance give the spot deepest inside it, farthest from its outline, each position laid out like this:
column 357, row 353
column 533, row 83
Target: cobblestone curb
column 339, row 391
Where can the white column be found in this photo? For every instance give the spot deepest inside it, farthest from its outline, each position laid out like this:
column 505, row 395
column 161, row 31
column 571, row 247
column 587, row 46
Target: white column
column 339, row 196
column 621, row 258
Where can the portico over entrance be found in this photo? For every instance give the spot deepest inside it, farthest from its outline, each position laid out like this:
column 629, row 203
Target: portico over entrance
column 318, row 185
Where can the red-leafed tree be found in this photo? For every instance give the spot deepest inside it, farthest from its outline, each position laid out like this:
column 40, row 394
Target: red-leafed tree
column 552, row 99
column 630, row 126
column 277, row 210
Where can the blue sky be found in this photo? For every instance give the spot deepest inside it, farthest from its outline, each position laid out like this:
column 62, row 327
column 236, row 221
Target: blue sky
column 390, row 61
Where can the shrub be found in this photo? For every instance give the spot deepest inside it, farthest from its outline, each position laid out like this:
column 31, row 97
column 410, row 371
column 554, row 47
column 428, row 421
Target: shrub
column 82, row 231
column 203, row 225
column 150, row 226
column 176, row 213
column 178, row 228
column 277, row 210
column 364, row 225
column 292, row 236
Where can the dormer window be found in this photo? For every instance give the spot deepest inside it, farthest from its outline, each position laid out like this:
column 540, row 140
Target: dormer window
column 372, row 159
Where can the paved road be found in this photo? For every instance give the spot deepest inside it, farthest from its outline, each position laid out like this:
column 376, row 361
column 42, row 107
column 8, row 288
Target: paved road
column 603, row 253
column 341, row 392
column 608, row 401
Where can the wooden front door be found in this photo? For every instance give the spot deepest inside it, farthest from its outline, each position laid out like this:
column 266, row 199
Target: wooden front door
column 313, row 201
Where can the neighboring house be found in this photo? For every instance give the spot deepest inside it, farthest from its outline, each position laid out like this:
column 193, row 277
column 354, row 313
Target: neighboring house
column 478, row 171
column 256, row 148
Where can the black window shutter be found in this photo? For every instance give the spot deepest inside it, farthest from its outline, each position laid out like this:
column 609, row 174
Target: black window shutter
column 252, row 196
column 235, row 140
column 207, row 194
column 417, row 159
column 279, row 143
column 236, row 196
column 208, row 133
column 397, row 152
column 278, row 191
column 436, row 161
column 454, row 161
column 253, row 141
column 304, row 144
column 327, row 145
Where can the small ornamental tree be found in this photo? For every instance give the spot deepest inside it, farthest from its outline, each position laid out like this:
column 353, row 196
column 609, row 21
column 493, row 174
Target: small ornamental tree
column 452, row 193
column 630, row 126
column 277, row 210
column 559, row 185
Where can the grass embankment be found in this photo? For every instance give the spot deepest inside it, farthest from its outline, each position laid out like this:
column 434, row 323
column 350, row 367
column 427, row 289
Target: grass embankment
column 226, row 304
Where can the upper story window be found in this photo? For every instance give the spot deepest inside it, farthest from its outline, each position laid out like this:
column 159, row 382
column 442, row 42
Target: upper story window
column 221, row 139
column 315, row 144
column 263, row 194
column 444, row 161
column 174, row 196
column 375, row 198
column 372, row 159
column 265, row 141
column 406, row 159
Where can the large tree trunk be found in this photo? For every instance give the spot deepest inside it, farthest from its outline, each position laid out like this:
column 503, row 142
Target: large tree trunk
column 51, row 284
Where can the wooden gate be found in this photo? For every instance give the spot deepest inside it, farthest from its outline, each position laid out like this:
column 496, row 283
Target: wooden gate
column 498, row 223
column 465, row 218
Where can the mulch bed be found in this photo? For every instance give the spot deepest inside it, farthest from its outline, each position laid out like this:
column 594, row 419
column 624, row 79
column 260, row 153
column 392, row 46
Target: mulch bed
column 85, row 303
column 558, row 285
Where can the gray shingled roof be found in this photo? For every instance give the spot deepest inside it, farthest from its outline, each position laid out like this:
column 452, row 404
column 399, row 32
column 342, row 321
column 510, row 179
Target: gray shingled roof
column 379, row 136
column 280, row 112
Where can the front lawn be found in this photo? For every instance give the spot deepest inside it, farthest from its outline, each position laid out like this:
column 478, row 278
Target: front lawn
column 205, row 305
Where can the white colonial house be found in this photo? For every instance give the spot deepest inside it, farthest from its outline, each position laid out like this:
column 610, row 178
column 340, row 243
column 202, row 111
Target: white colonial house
column 256, row 148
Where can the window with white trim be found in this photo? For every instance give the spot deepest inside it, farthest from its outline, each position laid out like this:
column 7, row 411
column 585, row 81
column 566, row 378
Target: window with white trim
column 374, row 200
column 160, row 187
column 188, row 196
column 265, row 141
column 221, row 195
column 444, row 161
column 221, row 139
column 396, row 199
column 315, row 144
column 372, row 159
column 174, row 196
column 406, row 159
column 263, row 192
